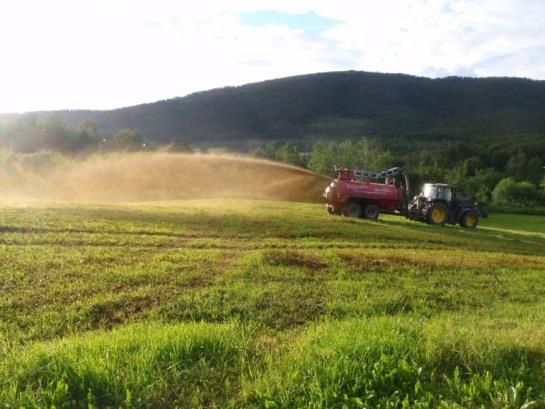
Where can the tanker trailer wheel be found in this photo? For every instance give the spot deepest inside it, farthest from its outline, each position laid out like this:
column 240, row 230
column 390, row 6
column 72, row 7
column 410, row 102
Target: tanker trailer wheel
column 469, row 220
column 437, row 213
column 352, row 209
column 371, row 212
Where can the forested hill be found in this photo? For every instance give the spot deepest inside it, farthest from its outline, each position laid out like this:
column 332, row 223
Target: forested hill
column 338, row 105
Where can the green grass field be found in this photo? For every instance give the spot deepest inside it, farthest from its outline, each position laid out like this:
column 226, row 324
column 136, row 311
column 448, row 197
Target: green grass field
column 225, row 303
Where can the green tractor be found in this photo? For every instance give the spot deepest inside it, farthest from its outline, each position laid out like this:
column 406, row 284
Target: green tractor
column 438, row 204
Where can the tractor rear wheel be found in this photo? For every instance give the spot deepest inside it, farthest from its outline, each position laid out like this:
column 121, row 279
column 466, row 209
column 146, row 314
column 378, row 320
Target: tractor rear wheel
column 437, row 213
column 371, row 212
column 352, row 209
column 469, row 220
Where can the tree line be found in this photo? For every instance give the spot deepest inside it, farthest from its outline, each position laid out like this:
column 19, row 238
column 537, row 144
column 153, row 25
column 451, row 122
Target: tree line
column 507, row 173
column 31, row 133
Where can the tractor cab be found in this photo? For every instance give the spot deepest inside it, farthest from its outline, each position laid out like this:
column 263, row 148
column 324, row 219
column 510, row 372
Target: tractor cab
column 438, row 191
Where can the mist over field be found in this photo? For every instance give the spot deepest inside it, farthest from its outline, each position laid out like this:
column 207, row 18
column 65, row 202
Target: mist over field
column 159, row 176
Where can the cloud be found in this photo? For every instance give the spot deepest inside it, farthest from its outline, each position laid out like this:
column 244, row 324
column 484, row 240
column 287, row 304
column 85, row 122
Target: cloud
column 104, row 54
column 520, row 63
column 308, row 22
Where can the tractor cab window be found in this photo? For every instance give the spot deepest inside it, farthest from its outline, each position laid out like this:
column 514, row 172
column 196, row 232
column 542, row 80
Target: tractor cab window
column 447, row 194
column 444, row 193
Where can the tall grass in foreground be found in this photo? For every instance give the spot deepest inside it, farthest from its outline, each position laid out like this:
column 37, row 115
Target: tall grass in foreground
column 381, row 362
column 393, row 362
column 187, row 365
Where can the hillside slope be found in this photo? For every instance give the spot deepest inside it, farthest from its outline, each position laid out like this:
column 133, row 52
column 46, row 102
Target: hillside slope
column 338, row 105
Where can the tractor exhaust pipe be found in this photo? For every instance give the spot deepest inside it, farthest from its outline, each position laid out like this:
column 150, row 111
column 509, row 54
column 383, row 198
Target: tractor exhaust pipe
column 407, row 190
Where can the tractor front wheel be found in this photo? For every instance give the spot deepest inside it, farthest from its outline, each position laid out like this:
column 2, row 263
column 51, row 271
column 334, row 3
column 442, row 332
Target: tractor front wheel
column 437, row 213
column 352, row 209
column 469, row 220
column 371, row 212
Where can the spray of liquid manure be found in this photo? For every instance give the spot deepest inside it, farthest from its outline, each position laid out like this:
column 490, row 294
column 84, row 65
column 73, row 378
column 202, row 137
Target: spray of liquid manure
column 162, row 176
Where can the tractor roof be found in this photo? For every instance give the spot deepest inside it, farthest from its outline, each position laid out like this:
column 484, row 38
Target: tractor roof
column 438, row 184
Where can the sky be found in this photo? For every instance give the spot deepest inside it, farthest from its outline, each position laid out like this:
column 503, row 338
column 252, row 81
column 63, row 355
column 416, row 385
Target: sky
column 103, row 54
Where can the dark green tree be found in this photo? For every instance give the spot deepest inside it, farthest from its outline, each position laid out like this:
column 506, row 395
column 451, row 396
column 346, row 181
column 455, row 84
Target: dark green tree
column 289, row 153
column 126, row 140
column 179, row 144
column 322, row 159
column 534, row 170
column 517, row 166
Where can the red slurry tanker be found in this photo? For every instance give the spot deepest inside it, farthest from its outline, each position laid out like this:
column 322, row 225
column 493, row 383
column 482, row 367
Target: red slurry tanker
column 356, row 193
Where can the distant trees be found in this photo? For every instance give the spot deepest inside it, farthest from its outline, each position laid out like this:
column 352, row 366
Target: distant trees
column 473, row 177
column 362, row 154
column 516, row 166
column 89, row 130
column 475, row 170
column 287, row 153
column 534, row 170
column 40, row 162
column 429, row 171
column 323, row 158
column 472, row 169
column 178, row 144
column 509, row 191
column 31, row 133
column 521, row 167
column 126, row 140
column 475, row 167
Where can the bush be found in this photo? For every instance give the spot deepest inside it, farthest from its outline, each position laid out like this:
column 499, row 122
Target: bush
column 509, row 191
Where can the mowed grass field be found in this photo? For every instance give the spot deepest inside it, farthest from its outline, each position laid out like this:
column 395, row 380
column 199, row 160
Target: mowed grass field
column 263, row 304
